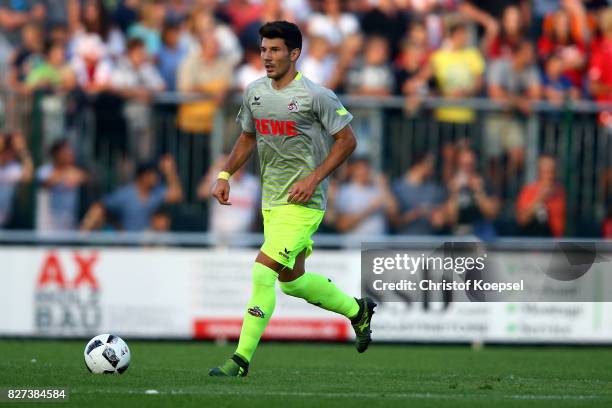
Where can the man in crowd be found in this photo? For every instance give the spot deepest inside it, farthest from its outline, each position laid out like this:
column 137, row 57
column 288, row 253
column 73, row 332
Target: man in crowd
column 420, row 200
column 363, row 203
column 61, row 180
column 15, row 167
column 540, row 208
column 134, row 204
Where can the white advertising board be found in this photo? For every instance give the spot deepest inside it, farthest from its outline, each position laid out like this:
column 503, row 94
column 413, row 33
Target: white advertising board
column 187, row 293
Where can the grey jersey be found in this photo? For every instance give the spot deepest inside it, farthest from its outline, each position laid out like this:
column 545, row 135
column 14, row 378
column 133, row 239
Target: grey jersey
column 292, row 126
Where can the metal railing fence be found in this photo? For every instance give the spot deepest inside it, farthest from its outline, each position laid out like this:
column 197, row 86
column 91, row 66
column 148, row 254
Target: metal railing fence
column 109, row 142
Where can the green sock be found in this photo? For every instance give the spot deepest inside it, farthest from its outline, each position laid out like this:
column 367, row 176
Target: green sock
column 321, row 292
column 259, row 310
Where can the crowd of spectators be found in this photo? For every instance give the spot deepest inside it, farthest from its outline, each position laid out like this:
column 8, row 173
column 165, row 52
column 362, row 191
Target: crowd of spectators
column 512, row 51
column 546, row 49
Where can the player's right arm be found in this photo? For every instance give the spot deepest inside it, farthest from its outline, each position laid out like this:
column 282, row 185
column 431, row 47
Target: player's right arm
column 242, row 150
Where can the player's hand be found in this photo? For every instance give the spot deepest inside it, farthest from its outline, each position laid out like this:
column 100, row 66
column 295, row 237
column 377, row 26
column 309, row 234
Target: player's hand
column 221, row 192
column 302, row 191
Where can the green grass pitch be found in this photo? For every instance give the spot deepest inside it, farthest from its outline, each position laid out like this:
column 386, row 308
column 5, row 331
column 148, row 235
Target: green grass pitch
column 306, row 375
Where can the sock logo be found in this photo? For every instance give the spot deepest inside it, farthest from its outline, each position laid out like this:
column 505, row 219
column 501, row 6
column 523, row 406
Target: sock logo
column 256, row 311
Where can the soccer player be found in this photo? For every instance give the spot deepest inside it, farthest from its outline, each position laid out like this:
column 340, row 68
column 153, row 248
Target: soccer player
column 288, row 118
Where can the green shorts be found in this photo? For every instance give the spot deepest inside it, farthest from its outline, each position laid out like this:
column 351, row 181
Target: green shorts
column 288, row 230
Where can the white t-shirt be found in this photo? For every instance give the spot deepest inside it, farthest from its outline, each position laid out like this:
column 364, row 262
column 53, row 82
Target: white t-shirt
column 247, row 74
column 354, row 198
column 321, row 25
column 238, row 217
column 319, row 72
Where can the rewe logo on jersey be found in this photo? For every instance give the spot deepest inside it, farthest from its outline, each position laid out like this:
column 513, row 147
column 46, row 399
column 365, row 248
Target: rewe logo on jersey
column 276, row 127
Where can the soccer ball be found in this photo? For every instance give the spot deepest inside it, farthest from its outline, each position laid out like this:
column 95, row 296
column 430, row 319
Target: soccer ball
column 107, row 354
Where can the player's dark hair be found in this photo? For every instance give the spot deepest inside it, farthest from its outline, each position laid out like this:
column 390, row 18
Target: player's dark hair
column 289, row 32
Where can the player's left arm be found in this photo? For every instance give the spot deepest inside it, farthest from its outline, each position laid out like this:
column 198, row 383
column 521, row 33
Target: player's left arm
column 345, row 143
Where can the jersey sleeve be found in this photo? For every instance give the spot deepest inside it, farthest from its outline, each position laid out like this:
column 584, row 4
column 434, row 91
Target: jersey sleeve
column 245, row 117
column 330, row 111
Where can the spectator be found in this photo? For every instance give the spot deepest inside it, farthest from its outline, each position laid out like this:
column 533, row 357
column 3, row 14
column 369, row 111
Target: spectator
column 487, row 14
column 91, row 66
column 241, row 215
column 318, row 64
column 540, row 208
column 59, row 34
column 557, row 87
column 373, row 76
column 458, row 70
column 26, row 57
column 271, row 10
column 410, row 78
column 571, row 52
column 252, row 69
column 126, row 14
column 600, row 74
column 178, row 10
column 149, row 25
column 61, row 179
column 387, row 20
column 136, row 80
column 341, row 29
column 581, row 24
column 363, row 202
column 434, row 15
column 472, row 205
column 299, row 9
column 202, row 22
column 15, row 15
column 203, row 72
column 134, row 204
column 514, row 81
column 420, row 201
column 170, row 54
column 413, row 71
column 15, row 167
column 417, row 34
column 161, row 220
column 94, row 19
column 606, row 226
column 242, row 13
column 54, row 73
column 510, row 35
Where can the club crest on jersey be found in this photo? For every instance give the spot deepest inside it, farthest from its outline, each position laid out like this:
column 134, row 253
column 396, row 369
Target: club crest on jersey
column 293, row 106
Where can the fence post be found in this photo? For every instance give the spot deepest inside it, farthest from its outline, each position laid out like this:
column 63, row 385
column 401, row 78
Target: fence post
column 376, row 137
column 217, row 135
column 532, row 146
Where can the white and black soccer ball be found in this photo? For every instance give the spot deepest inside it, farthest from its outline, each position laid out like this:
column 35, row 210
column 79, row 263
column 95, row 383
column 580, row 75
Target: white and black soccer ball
column 107, row 354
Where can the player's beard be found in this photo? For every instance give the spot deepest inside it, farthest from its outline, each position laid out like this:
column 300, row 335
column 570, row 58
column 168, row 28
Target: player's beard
column 279, row 71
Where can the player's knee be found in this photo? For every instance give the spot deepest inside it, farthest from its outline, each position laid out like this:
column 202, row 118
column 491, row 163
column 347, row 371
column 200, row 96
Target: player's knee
column 263, row 276
column 292, row 288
